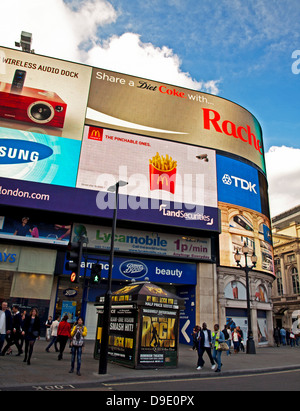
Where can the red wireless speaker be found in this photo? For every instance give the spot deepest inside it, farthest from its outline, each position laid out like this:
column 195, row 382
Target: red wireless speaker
column 32, row 105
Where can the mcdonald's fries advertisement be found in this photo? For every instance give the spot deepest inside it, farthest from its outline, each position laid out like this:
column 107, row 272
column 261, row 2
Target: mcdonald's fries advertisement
column 154, row 168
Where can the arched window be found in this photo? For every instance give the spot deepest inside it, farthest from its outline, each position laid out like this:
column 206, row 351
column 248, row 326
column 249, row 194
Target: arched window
column 295, row 281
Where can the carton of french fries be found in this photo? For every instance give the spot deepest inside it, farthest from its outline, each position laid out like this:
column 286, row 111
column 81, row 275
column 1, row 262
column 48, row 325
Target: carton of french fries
column 162, row 171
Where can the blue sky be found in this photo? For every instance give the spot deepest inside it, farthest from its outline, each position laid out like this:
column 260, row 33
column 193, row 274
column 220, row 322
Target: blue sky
column 238, row 49
column 245, row 45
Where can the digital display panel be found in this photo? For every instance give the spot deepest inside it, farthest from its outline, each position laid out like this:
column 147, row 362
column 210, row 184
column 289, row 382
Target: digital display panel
column 155, row 109
column 153, row 168
column 43, row 95
column 38, row 157
column 238, row 183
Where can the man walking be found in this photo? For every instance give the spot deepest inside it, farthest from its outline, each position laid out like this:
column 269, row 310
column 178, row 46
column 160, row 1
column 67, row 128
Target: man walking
column 217, row 338
column 205, row 346
column 5, row 323
column 283, row 336
column 15, row 335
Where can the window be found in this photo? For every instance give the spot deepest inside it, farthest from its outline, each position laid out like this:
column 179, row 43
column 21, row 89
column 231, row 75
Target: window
column 279, row 283
column 277, row 261
column 295, row 281
column 291, row 258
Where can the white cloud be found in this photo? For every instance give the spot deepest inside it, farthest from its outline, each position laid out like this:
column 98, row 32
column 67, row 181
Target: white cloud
column 58, row 28
column 283, row 172
column 69, row 31
column 128, row 54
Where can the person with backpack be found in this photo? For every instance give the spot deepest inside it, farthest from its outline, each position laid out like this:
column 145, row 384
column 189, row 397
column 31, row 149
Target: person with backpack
column 79, row 331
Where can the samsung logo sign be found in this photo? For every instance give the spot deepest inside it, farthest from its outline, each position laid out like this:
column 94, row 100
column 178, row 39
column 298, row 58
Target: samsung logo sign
column 133, row 269
column 20, row 151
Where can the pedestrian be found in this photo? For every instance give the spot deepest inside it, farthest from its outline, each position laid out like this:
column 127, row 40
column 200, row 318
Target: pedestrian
column 78, row 333
column 236, row 341
column 240, row 331
column 195, row 333
column 287, row 336
column 15, row 335
column 227, row 335
column 22, row 338
column 63, row 334
column 217, row 339
column 205, row 346
column 283, row 336
column 31, row 331
column 292, row 339
column 53, row 334
column 5, row 323
column 276, row 335
column 48, row 325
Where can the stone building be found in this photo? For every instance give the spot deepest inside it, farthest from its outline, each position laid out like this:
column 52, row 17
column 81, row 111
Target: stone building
column 286, row 288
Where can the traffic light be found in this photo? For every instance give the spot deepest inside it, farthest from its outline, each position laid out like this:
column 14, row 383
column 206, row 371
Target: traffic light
column 96, row 273
column 74, row 255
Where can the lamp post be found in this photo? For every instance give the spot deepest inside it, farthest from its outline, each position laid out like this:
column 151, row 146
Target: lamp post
column 247, row 269
column 107, row 301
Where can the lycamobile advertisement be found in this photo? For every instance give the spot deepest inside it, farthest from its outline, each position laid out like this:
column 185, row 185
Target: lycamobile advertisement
column 142, row 242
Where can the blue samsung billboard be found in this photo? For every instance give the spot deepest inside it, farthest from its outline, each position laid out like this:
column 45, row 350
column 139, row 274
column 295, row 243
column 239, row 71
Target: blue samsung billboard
column 238, row 183
column 40, row 158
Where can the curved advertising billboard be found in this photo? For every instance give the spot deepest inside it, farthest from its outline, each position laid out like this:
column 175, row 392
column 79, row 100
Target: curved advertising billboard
column 68, row 132
column 132, row 104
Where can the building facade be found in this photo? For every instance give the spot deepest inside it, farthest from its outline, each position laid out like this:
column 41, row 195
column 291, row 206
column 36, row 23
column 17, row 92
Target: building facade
column 286, row 288
column 197, row 191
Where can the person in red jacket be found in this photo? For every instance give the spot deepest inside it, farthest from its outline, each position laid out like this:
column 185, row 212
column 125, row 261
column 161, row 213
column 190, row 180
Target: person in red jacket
column 63, row 334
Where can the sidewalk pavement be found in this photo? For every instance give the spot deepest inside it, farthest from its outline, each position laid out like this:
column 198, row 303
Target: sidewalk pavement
column 47, row 373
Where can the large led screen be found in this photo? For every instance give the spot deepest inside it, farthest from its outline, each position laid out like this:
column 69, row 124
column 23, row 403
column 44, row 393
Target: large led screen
column 153, row 168
column 238, row 183
column 42, row 111
column 38, row 157
column 42, row 95
column 243, row 200
column 136, row 105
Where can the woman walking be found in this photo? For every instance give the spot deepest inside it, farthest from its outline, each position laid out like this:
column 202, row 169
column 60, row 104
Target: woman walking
column 78, row 333
column 31, row 331
column 53, row 331
column 236, row 341
column 63, row 334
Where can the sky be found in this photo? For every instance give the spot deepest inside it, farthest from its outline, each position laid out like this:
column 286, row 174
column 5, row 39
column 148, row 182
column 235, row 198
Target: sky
column 247, row 51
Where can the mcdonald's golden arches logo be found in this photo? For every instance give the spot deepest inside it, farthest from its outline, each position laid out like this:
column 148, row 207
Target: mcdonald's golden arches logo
column 95, row 133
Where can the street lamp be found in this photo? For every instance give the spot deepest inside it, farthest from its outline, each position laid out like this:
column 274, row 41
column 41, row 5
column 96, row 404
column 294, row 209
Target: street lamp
column 247, row 269
column 107, row 301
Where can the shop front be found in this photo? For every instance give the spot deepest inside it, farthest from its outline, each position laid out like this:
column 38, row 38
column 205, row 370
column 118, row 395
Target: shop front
column 179, row 278
column 233, row 304
column 26, row 277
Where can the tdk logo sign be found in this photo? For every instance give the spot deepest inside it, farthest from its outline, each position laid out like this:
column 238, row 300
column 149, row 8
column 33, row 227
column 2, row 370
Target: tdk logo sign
column 239, row 183
column 22, row 151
